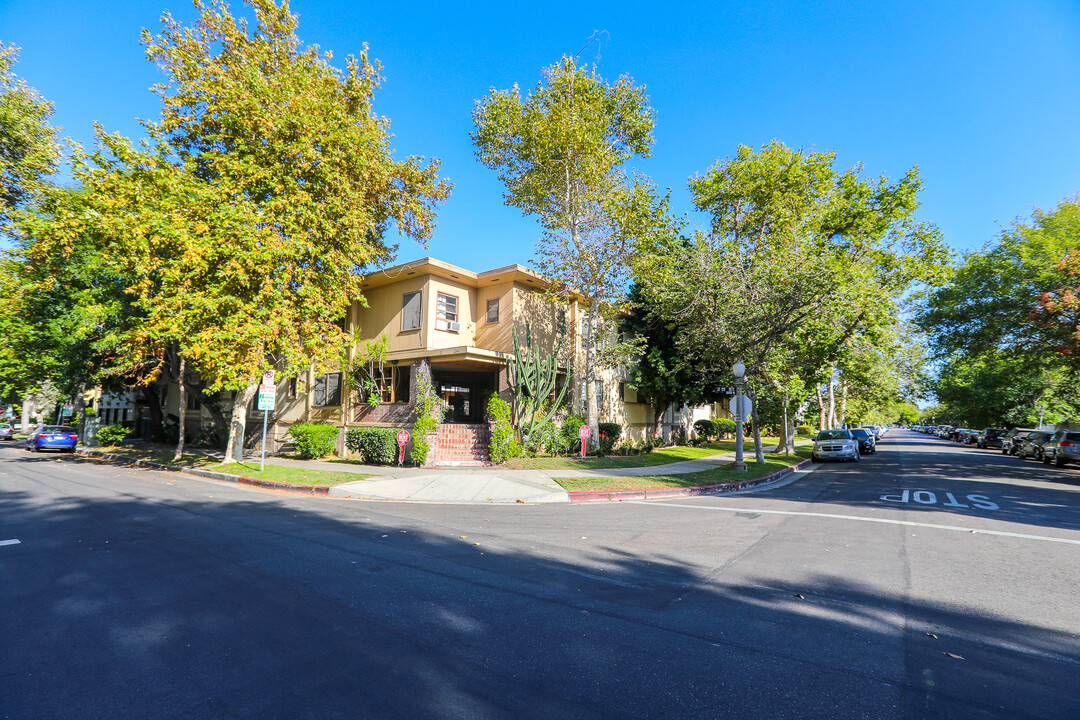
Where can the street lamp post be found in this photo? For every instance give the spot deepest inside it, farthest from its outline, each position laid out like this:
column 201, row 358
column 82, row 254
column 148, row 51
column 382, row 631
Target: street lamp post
column 740, row 370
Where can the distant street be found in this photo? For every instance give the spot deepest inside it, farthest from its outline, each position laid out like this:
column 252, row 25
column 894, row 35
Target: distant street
column 930, row 580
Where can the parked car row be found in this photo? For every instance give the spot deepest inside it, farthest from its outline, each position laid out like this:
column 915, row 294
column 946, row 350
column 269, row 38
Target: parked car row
column 1049, row 446
column 847, row 443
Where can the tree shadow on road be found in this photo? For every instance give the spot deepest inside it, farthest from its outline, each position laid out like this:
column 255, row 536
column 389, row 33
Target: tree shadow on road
column 238, row 604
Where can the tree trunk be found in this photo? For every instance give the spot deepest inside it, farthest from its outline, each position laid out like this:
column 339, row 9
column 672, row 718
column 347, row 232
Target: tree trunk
column 658, row 419
column 755, row 418
column 80, row 412
column 153, row 405
column 234, row 451
column 592, row 410
column 821, row 407
column 183, row 412
column 832, row 402
column 843, row 404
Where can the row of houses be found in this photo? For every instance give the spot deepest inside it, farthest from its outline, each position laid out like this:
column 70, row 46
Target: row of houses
column 454, row 327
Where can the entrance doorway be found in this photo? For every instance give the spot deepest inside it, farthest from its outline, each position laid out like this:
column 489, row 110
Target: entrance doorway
column 463, row 394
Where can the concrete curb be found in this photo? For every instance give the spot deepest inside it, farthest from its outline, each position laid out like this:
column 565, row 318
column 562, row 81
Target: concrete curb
column 619, row 495
column 238, row 479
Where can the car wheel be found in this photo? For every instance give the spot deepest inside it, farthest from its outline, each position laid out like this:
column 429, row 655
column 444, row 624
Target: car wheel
column 1058, row 461
column 1046, row 459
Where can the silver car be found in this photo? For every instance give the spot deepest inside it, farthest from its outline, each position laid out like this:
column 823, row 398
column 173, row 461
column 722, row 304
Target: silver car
column 1062, row 447
column 836, row 445
column 6, row 431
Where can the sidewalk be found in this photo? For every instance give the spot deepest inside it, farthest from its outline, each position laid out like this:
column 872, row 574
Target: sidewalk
column 467, row 485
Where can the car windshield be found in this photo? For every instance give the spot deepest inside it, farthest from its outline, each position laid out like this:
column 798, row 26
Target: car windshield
column 860, row 434
column 834, row 435
column 55, row 429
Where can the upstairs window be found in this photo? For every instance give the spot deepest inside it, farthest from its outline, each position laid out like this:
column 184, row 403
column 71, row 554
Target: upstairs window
column 328, row 390
column 446, row 312
column 411, row 310
column 493, row 310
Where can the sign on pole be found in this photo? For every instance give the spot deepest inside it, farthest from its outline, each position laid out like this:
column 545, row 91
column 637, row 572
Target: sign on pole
column 747, row 406
column 583, row 433
column 402, row 440
column 267, row 396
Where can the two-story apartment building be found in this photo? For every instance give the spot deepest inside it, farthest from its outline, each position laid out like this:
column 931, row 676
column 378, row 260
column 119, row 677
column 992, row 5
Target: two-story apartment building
column 453, row 327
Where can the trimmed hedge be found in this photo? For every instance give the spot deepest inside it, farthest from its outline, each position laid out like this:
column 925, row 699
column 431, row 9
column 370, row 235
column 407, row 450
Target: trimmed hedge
column 112, row 434
column 314, row 440
column 724, row 426
column 705, row 429
column 377, row 446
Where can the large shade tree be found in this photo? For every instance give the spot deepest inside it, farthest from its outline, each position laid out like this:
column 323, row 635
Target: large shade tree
column 267, row 187
column 800, row 258
column 560, row 152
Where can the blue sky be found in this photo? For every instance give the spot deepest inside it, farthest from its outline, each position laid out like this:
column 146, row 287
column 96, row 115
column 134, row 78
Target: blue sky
column 983, row 96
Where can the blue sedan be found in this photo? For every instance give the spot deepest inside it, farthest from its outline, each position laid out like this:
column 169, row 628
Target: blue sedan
column 52, row 437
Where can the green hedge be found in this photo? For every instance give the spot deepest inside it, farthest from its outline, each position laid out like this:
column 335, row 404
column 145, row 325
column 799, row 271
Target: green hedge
column 706, row 429
column 504, row 443
column 724, row 426
column 112, row 434
column 314, row 440
column 377, row 446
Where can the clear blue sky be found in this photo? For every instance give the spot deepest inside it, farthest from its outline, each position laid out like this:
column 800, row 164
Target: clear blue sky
column 983, row 96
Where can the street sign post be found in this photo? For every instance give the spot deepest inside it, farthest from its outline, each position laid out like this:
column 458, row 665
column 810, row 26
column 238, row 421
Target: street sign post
column 267, row 397
column 747, row 408
column 583, row 433
column 402, row 440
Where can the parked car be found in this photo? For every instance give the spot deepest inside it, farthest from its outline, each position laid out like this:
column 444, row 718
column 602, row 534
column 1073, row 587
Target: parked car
column 972, row 437
column 1010, row 444
column 1062, row 447
column 6, row 431
column 836, row 445
column 991, row 437
column 1031, row 446
column 867, row 441
column 52, row 437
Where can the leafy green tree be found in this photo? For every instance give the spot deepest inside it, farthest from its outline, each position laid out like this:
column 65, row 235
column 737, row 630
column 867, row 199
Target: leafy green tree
column 801, row 257
column 29, row 144
column 559, row 152
column 244, row 227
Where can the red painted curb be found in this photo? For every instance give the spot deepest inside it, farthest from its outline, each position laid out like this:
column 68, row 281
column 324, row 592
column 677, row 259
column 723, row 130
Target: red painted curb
column 619, row 495
column 238, row 479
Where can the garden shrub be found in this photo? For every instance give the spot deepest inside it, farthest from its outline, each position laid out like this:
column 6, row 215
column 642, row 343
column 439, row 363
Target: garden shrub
column 705, row 429
column 211, row 437
column 504, row 443
column 570, row 426
column 609, row 435
column 427, row 416
column 804, row 430
column 724, row 426
column 314, row 440
column 112, row 434
column 376, row 446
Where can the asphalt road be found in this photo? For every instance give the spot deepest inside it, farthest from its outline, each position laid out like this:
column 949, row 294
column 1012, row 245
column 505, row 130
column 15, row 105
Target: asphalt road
column 928, row 581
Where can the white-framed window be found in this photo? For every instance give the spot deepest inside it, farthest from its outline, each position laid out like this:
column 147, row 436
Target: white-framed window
column 446, row 312
column 493, row 310
column 411, row 310
column 328, row 390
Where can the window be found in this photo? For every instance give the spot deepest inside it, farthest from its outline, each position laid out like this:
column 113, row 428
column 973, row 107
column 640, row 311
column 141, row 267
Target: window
column 493, row 310
column 392, row 384
column 599, row 393
column 328, row 390
column 194, row 402
column 292, row 388
column 622, row 392
column 446, row 311
column 411, row 307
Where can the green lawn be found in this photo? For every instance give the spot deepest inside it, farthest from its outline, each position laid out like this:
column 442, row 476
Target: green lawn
column 773, row 462
column 663, row 456
column 273, row 473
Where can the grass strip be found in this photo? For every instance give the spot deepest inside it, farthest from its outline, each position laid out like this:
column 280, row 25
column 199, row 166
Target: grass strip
column 272, row 473
column 773, row 463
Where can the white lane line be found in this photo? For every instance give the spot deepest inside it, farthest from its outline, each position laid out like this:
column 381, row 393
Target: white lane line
column 9, row 542
column 908, row 523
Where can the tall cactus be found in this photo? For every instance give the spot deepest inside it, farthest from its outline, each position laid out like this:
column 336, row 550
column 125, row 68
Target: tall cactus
column 532, row 380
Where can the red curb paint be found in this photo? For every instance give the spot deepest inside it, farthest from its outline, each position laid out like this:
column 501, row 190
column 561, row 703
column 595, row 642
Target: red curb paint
column 620, row 495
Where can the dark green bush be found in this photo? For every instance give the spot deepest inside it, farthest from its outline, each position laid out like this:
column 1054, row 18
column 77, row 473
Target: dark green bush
column 112, row 434
column 377, row 446
column 705, row 429
column 609, row 435
column 804, row 430
column 314, row 440
column 570, row 426
column 724, row 426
